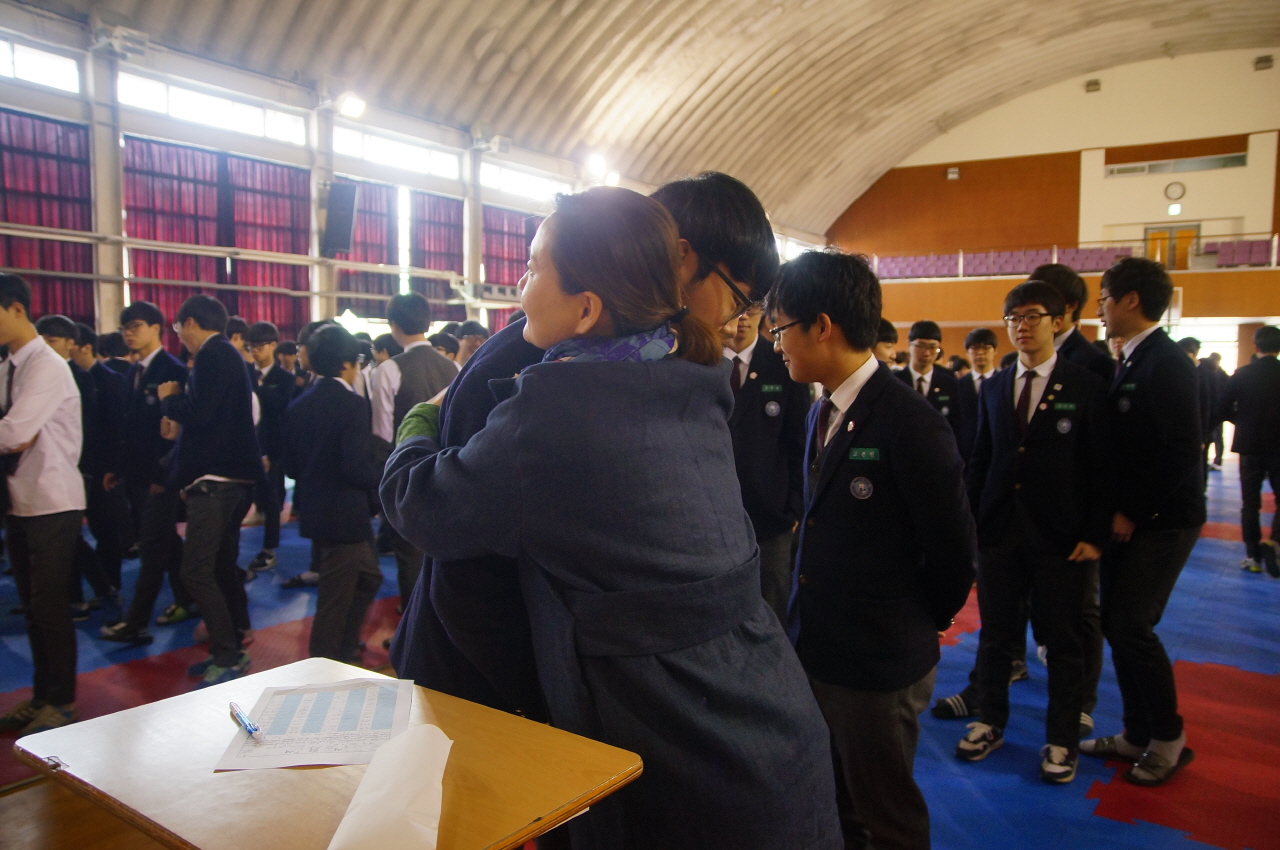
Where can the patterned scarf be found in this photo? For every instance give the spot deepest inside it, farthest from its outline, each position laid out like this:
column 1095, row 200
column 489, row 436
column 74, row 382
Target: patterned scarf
column 637, row 348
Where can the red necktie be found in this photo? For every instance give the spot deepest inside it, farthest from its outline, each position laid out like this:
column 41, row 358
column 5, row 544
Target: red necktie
column 735, row 377
column 1024, row 401
column 920, row 385
column 824, row 420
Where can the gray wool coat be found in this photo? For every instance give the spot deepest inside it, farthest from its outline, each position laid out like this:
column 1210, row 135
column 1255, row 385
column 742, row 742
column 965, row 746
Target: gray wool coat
column 613, row 485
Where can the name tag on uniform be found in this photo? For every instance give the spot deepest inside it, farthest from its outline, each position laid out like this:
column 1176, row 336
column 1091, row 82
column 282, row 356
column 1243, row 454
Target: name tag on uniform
column 1064, row 405
column 1128, row 387
column 864, row 454
column 944, row 398
column 771, row 388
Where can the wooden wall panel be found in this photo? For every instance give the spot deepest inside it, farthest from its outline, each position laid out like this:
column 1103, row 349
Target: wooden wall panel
column 1216, row 146
column 1019, row 202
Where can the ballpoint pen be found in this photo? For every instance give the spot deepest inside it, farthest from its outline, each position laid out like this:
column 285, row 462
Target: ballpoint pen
column 246, row 724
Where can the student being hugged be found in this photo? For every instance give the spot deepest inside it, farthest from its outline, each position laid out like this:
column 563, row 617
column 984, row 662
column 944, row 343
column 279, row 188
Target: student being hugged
column 610, row 461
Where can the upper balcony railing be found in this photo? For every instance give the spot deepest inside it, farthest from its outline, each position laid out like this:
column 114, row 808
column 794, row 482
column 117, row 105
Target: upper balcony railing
column 1177, row 250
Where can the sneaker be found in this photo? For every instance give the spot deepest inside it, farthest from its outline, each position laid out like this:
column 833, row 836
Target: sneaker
column 20, row 715
column 200, row 667
column 175, row 613
column 1216, row 466
column 122, row 632
column 1042, row 653
column 264, row 560
column 308, row 578
column 1267, row 554
column 953, row 708
column 80, row 612
column 51, row 717
column 249, row 576
column 1086, row 725
column 978, row 743
column 1058, row 765
column 216, row 675
column 1251, row 565
column 1019, row 671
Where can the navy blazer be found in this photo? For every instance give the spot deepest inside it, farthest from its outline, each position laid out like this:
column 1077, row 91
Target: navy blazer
column 275, row 392
column 216, row 415
column 102, row 437
column 330, row 455
column 768, row 442
column 607, row 482
column 1081, row 352
column 88, row 413
column 1158, row 447
column 943, row 395
column 1057, row 472
column 141, row 446
column 966, row 419
column 1251, row 400
column 887, row 543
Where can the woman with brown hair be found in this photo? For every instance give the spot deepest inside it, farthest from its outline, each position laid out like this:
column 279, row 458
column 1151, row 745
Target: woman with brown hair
column 608, row 474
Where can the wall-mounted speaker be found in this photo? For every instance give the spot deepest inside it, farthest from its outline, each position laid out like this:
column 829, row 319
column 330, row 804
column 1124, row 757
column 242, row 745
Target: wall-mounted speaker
column 340, row 219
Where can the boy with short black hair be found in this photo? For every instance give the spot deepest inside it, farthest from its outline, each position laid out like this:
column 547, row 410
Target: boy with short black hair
column 934, row 384
column 446, row 345
column 886, row 340
column 275, row 389
column 471, row 335
column 880, row 570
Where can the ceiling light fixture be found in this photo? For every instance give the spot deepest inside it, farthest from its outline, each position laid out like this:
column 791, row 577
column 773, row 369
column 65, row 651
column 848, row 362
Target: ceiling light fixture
column 351, row 105
column 597, row 167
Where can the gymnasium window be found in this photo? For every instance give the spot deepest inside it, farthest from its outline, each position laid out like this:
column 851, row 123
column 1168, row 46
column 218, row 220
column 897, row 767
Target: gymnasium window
column 384, row 151
column 39, row 66
column 375, row 239
column 522, row 183
column 436, row 242
column 201, row 108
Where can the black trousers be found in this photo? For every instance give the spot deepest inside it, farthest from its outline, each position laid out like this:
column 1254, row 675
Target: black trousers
column 1137, row 579
column 1021, row 566
column 1254, row 469
column 42, row 552
column 408, row 565
column 159, row 552
column 107, row 515
column 214, row 511
column 268, row 497
column 775, row 572
column 349, row 579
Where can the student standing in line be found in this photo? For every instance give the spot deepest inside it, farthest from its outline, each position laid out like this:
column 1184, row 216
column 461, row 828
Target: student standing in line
column 143, row 451
column 648, row 625
column 1159, row 488
column 331, row 455
column 216, row 465
column 1251, row 400
column 40, row 436
column 1037, row 481
column 447, row 346
column 886, row 544
column 886, row 340
column 1211, row 366
column 471, row 335
column 274, row 388
column 980, row 343
column 1070, row 342
column 936, row 385
column 113, row 353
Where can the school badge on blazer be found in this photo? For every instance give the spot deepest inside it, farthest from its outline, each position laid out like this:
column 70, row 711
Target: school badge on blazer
column 861, row 488
column 772, row 408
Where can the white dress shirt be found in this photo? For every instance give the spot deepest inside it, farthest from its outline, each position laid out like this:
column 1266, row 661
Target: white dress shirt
column 1131, row 344
column 846, row 394
column 1038, row 383
column 1063, row 337
column 46, row 405
column 742, row 359
column 916, row 376
column 385, row 386
column 980, row 379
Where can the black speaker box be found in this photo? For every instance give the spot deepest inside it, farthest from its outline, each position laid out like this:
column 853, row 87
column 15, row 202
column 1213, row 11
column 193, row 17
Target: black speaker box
column 340, row 223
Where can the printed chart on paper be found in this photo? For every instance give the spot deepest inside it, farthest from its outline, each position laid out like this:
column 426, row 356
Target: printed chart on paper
column 339, row 723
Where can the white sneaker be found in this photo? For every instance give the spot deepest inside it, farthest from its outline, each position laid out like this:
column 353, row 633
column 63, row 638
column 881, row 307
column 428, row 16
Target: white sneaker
column 1251, row 565
column 1042, row 652
column 1058, row 764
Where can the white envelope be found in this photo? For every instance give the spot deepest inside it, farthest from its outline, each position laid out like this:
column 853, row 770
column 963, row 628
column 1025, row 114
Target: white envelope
column 397, row 804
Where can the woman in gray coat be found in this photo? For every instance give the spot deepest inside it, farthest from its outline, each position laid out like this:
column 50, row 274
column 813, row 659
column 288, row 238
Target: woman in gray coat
column 608, row 473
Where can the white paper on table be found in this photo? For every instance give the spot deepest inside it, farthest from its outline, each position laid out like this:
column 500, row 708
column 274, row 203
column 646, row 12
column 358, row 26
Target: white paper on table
column 336, row 723
column 397, row 805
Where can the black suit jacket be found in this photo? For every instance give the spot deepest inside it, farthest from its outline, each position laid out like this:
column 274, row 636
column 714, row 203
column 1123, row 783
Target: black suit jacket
column 1251, row 400
column 767, row 425
column 1157, row 450
column 216, row 415
column 117, row 364
column 88, row 412
column 1056, row 472
column 330, row 455
column 141, row 446
column 943, row 395
column 966, row 419
column 102, row 439
column 1081, row 352
column 887, row 543
column 275, row 393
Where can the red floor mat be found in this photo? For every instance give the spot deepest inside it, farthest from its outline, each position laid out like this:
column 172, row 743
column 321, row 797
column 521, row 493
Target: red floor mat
column 966, row 621
column 1230, row 722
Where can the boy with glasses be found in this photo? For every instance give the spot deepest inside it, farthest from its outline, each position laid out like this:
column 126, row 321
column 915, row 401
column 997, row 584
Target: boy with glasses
column 937, row 386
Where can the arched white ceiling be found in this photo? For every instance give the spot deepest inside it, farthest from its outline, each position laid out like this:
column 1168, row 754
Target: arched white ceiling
column 807, row 101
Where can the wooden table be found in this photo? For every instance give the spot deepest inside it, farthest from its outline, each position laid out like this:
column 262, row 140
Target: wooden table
column 508, row 779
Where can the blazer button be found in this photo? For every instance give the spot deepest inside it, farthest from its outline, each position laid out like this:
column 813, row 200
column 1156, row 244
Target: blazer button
column 803, row 579
column 811, row 522
column 1017, row 486
column 1021, row 449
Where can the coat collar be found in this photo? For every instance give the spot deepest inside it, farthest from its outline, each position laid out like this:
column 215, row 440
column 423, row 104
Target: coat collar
column 855, row 419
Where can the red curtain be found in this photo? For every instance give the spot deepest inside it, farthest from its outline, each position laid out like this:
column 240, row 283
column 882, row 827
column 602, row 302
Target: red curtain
column 507, row 235
column 45, row 181
column 374, row 240
column 499, row 319
column 436, row 240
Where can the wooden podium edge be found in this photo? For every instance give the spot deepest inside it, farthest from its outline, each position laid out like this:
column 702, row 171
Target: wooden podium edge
column 577, row 806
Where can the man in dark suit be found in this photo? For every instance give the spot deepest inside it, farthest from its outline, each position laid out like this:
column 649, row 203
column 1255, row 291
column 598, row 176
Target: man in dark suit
column 216, row 465
column 936, row 385
column 330, row 454
column 1158, row 478
column 1251, row 399
column 275, row 390
column 1069, row 342
column 980, row 343
column 768, row 448
column 1211, row 367
column 139, row 465
column 113, row 353
column 1037, row 482
column 886, row 544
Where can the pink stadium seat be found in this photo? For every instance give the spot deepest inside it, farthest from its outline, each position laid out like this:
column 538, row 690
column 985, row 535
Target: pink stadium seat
column 1259, row 252
column 1226, row 254
column 1210, row 248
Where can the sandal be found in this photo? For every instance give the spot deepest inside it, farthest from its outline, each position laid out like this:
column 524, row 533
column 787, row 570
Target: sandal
column 1105, row 748
column 1160, row 769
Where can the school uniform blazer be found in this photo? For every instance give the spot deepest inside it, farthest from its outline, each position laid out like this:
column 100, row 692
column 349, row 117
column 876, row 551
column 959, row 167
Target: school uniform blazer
column 141, row 446
column 886, row 545
column 1158, row 447
column 330, row 455
column 607, row 482
column 943, row 395
column 768, row 442
column 966, row 414
column 1056, row 473
column 1081, row 352
column 101, row 440
column 216, row 415
column 1251, row 400
column 275, row 393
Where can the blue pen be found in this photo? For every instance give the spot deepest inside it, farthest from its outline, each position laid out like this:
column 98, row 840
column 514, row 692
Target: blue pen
column 246, row 724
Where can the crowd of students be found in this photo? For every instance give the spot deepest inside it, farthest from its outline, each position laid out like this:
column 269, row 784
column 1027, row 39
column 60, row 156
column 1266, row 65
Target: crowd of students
column 626, row 515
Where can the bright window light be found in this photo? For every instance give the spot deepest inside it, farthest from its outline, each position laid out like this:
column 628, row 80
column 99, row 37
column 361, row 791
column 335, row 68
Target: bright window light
column 47, row 69
column 612, row 178
column 445, row 165
column 350, row 105
column 199, row 107
column 6, row 59
column 396, row 154
column 247, row 119
column 596, row 166
column 520, row 182
column 142, row 92
column 284, row 127
column 490, row 175
column 348, row 142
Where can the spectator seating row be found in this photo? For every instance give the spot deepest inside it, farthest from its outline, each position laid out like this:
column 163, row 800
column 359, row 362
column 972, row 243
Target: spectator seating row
column 1246, row 252
column 998, row 262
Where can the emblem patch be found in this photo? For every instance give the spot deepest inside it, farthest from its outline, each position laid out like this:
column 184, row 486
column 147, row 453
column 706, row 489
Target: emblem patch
column 1064, row 425
column 861, row 488
column 1124, row 404
column 946, row 411
column 772, row 408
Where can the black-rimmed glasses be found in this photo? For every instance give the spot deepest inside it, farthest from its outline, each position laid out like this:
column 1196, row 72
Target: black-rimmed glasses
column 1031, row 319
column 744, row 303
column 776, row 333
